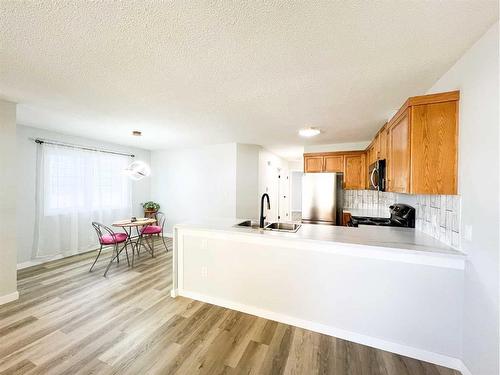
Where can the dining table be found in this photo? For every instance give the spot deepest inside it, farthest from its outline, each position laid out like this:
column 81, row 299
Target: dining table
column 135, row 242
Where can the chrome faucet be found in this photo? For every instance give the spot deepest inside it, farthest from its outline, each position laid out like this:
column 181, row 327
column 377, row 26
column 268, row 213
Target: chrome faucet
column 262, row 217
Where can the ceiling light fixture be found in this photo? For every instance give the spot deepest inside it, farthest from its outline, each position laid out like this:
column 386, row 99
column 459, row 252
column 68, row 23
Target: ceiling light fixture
column 136, row 133
column 309, row 132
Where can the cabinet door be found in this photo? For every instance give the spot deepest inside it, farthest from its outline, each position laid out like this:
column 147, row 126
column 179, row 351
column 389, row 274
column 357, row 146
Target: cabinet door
column 399, row 155
column 354, row 171
column 382, row 144
column 434, row 148
column 376, row 149
column 334, row 163
column 313, row 164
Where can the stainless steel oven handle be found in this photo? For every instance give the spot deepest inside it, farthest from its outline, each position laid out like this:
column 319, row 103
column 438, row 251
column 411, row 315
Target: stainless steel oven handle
column 371, row 178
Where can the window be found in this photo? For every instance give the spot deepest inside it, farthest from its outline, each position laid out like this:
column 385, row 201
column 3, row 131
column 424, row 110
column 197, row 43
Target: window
column 80, row 180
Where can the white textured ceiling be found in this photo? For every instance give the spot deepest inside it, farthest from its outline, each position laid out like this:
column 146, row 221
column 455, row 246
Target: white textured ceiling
column 192, row 72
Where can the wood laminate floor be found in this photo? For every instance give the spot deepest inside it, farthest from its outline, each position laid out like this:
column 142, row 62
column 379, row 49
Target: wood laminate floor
column 70, row 321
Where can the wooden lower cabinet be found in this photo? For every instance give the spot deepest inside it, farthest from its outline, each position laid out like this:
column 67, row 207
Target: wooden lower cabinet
column 346, row 217
column 354, row 171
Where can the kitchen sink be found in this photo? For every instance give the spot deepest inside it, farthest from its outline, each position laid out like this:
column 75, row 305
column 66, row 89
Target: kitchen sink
column 248, row 224
column 283, row 227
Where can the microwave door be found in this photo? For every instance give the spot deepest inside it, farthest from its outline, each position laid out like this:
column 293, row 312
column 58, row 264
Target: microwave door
column 374, row 179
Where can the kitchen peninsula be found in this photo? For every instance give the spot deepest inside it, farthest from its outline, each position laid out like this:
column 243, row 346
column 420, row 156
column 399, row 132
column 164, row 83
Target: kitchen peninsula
column 363, row 284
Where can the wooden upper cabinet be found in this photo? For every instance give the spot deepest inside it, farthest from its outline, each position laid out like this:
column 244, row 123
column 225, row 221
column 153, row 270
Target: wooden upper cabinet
column 423, row 145
column 398, row 177
column 333, row 163
column 420, row 145
column 382, row 141
column 351, row 163
column 354, row 171
column 434, row 148
column 313, row 164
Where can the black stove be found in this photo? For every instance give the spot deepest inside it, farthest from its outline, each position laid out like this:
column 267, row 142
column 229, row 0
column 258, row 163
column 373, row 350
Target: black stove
column 402, row 215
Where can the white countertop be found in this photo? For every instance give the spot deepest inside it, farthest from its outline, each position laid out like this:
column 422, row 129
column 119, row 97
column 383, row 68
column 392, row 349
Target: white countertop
column 383, row 212
column 407, row 240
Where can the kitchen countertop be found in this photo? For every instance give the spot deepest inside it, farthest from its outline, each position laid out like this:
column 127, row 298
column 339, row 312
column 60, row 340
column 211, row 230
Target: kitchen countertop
column 407, row 240
column 383, row 212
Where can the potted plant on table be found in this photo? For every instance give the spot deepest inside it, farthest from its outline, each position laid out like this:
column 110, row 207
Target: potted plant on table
column 150, row 209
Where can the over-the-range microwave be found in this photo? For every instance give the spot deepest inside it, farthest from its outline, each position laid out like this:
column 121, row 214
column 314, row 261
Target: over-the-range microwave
column 376, row 176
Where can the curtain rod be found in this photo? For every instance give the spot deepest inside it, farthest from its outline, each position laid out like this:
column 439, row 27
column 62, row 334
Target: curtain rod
column 69, row 145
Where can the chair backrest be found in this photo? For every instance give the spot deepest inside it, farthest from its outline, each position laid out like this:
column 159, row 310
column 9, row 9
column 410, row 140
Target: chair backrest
column 101, row 230
column 160, row 219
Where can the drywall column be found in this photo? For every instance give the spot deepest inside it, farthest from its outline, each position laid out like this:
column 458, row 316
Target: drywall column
column 8, row 250
column 247, row 181
column 476, row 75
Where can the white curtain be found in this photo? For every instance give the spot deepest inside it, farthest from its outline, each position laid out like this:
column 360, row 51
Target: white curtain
column 74, row 188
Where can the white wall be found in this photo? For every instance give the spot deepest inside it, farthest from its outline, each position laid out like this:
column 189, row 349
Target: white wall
column 270, row 166
column 476, row 76
column 337, row 289
column 26, row 180
column 8, row 185
column 353, row 146
column 296, row 190
column 247, row 181
column 196, row 183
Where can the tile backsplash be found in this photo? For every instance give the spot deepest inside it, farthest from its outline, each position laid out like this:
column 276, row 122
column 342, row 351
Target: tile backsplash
column 436, row 215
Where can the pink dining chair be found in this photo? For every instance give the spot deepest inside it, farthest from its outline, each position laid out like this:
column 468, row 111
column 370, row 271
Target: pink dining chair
column 107, row 237
column 151, row 231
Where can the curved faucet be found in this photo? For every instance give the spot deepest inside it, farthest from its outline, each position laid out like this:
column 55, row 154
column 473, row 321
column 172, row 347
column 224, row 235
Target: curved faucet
column 262, row 217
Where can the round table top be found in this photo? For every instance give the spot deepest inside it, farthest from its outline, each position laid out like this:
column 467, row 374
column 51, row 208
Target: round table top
column 141, row 221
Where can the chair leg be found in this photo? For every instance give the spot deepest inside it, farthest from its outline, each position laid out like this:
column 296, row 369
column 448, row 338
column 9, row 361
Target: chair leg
column 126, row 254
column 133, row 255
column 112, row 259
column 95, row 261
column 163, row 240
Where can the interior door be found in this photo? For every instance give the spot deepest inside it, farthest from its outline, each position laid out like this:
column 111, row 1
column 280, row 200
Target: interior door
column 284, row 196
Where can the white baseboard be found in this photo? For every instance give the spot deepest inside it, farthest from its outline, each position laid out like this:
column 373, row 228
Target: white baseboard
column 174, row 293
column 36, row 262
column 420, row 354
column 9, row 297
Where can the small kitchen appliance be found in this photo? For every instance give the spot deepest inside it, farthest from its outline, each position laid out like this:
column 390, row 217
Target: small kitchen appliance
column 376, row 175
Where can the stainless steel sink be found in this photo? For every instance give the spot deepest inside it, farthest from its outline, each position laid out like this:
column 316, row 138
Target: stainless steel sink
column 248, row 224
column 283, row 227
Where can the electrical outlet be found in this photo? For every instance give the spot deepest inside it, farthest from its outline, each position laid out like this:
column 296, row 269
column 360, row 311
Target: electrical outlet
column 204, row 272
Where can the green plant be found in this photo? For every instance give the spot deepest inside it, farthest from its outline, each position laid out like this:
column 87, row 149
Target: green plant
column 151, row 206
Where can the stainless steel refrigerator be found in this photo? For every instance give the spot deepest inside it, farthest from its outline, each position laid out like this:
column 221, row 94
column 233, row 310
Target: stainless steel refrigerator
column 322, row 198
